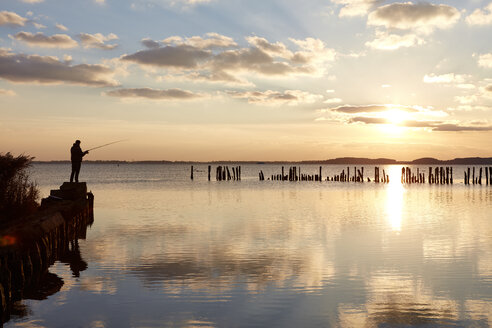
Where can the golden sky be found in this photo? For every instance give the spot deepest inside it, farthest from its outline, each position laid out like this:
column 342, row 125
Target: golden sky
column 246, row 80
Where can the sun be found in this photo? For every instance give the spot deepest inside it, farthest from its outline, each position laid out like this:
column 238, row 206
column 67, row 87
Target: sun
column 395, row 116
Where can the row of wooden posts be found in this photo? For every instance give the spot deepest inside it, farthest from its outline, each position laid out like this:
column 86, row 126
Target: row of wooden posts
column 223, row 173
column 437, row 175
column 294, row 175
column 478, row 179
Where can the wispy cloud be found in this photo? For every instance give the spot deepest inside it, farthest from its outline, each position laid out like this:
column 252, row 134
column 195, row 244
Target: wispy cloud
column 352, row 8
column 276, row 98
column 485, row 60
column 41, row 40
column 148, row 93
column 4, row 92
column 98, row 40
column 11, row 18
column 32, row 1
column 449, row 78
column 61, row 27
column 23, row 68
column 372, row 109
column 481, row 16
column 386, row 41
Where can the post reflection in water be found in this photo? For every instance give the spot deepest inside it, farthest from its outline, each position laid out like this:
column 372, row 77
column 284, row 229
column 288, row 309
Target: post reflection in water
column 179, row 254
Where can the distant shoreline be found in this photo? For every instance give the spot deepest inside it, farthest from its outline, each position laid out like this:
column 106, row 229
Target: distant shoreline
column 335, row 161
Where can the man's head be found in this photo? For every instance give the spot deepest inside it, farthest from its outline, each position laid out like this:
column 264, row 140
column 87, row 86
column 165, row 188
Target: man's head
column 77, row 142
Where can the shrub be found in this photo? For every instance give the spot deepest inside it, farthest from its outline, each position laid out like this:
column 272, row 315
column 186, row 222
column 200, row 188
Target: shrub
column 18, row 195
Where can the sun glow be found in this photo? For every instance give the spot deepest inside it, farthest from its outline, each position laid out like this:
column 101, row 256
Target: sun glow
column 395, row 116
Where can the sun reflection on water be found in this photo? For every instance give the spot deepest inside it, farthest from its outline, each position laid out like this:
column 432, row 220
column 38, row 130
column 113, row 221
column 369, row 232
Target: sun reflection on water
column 394, row 201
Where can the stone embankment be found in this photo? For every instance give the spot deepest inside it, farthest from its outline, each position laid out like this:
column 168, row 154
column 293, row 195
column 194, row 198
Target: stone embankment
column 31, row 245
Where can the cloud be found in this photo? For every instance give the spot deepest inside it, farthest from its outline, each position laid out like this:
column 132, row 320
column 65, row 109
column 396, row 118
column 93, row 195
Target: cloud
column 32, row 1
column 368, row 120
column 353, row 8
column 98, row 40
column 464, row 100
column 213, row 40
column 169, row 94
column 23, row 68
column 61, row 27
column 38, row 25
column 4, row 92
column 100, row 2
column 422, row 17
column 481, row 16
column 385, row 41
column 332, row 101
column 149, row 43
column 181, row 56
column 432, row 125
column 41, row 40
column 488, row 88
column 11, row 18
column 218, row 58
column 373, row 109
column 485, row 60
column 275, row 98
column 449, row 78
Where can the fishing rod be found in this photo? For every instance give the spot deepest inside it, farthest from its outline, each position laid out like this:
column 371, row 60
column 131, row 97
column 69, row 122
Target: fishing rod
column 107, row 144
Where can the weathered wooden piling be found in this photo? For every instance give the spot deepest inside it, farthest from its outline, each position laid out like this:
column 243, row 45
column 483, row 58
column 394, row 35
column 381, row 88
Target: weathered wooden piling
column 480, row 177
column 486, row 176
column 192, row 172
column 209, row 169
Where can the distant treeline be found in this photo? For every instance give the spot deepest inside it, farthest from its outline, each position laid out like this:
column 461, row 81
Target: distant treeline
column 335, row 161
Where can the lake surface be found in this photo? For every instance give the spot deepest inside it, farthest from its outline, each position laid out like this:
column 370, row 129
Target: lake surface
column 165, row 251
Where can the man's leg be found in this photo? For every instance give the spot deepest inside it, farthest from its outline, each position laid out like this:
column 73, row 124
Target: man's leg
column 73, row 172
column 77, row 171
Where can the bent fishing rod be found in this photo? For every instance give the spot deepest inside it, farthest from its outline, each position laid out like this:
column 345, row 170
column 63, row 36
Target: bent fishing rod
column 107, row 144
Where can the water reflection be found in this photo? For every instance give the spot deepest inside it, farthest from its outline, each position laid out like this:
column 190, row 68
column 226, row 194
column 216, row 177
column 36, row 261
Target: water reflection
column 394, row 202
column 281, row 254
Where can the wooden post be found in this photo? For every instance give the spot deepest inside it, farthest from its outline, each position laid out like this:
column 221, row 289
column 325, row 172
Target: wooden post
column 451, row 173
column 320, row 174
column 486, row 176
column 480, row 177
column 468, row 176
column 473, row 175
column 447, row 175
column 466, row 180
column 192, row 172
column 209, row 169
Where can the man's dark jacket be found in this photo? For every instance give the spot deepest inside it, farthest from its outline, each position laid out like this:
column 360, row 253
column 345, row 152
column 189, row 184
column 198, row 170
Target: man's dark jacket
column 76, row 153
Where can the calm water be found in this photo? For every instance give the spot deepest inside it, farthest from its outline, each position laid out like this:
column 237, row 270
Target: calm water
column 168, row 252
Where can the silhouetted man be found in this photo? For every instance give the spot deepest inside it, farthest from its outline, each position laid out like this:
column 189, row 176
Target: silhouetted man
column 76, row 155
